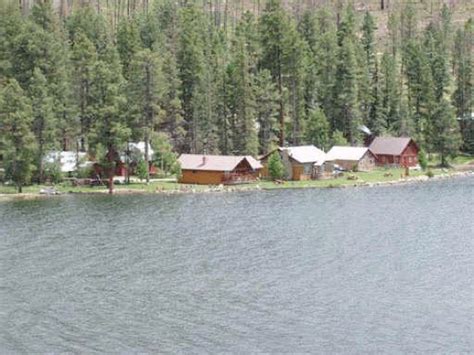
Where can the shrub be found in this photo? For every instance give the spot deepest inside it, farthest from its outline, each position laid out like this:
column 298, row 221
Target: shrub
column 142, row 169
column 422, row 160
column 164, row 157
column 275, row 166
column 85, row 172
column 52, row 172
column 430, row 174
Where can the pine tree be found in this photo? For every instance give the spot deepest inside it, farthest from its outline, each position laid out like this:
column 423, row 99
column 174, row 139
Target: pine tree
column 346, row 94
column 15, row 129
column 463, row 96
column 273, row 28
column 389, row 92
column 109, row 128
column 435, row 48
column 128, row 43
column 190, row 59
column 276, row 169
column 421, row 92
column 206, row 100
column 86, row 22
column 338, row 138
column 446, row 138
column 43, row 124
column 317, row 130
column 295, row 52
column 377, row 111
column 308, row 28
column 84, row 59
column 245, row 135
column 146, row 91
column 267, row 100
column 369, row 77
column 11, row 26
column 172, row 121
column 326, row 65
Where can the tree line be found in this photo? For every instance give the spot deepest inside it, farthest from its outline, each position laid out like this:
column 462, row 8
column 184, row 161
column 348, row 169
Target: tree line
column 173, row 74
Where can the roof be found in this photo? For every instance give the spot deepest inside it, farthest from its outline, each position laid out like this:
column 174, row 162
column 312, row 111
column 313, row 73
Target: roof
column 347, row 153
column 306, row 154
column 215, row 162
column 389, row 145
column 67, row 159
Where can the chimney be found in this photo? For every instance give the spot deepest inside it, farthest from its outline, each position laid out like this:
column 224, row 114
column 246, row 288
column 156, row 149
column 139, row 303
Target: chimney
column 204, row 160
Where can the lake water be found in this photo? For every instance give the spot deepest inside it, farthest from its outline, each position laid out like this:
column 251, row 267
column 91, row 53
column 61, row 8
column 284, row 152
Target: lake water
column 385, row 269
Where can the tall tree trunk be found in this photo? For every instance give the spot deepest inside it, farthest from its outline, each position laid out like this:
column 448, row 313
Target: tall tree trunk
column 41, row 165
column 111, row 168
column 147, row 140
column 281, row 110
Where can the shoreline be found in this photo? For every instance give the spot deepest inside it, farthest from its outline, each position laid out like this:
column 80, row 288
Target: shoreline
column 240, row 188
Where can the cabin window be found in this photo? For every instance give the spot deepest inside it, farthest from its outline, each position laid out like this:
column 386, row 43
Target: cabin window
column 194, row 171
column 307, row 169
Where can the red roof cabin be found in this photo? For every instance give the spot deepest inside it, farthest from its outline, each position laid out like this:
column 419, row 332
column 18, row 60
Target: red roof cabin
column 395, row 151
column 218, row 169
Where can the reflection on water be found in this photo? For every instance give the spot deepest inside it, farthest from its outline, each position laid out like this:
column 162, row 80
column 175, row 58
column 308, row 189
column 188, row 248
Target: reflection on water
column 352, row 270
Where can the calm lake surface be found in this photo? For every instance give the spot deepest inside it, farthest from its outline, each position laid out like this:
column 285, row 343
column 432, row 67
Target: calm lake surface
column 386, row 269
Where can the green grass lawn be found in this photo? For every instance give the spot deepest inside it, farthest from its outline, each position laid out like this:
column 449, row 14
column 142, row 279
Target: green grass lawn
column 170, row 185
column 463, row 160
column 377, row 175
column 164, row 185
column 434, row 160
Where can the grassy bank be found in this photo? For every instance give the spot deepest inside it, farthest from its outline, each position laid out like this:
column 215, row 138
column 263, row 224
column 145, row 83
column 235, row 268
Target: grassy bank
column 378, row 176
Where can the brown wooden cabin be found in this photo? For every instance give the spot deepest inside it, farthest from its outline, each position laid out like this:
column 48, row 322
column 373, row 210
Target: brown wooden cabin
column 218, row 169
column 353, row 158
column 301, row 163
column 395, row 151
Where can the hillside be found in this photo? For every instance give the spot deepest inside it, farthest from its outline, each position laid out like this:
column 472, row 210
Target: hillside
column 427, row 9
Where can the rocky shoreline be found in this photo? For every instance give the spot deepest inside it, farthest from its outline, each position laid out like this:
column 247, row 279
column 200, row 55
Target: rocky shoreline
column 240, row 188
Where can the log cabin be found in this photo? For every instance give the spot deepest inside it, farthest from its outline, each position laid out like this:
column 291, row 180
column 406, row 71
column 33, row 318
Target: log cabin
column 218, row 169
column 395, row 151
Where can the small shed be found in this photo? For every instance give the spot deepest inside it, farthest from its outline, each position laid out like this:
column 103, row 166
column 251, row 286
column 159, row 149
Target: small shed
column 352, row 158
column 395, row 151
column 218, row 169
column 301, row 163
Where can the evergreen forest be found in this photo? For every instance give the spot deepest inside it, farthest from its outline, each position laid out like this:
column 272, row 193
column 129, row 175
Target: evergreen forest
column 175, row 74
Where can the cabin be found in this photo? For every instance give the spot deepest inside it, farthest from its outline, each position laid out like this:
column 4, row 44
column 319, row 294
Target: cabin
column 301, row 163
column 218, row 169
column 126, row 162
column 352, row 158
column 395, row 151
column 68, row 161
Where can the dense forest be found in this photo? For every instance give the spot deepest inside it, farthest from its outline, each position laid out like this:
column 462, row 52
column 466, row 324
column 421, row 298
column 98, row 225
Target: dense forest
column 190, row 79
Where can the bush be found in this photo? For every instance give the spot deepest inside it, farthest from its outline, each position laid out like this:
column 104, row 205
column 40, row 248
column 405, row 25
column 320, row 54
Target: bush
column 276, row 168
column 84, row 172
column 430, row 174
column 164, row 157
column 422, row 160
column 142, row 169
column 52, row 172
